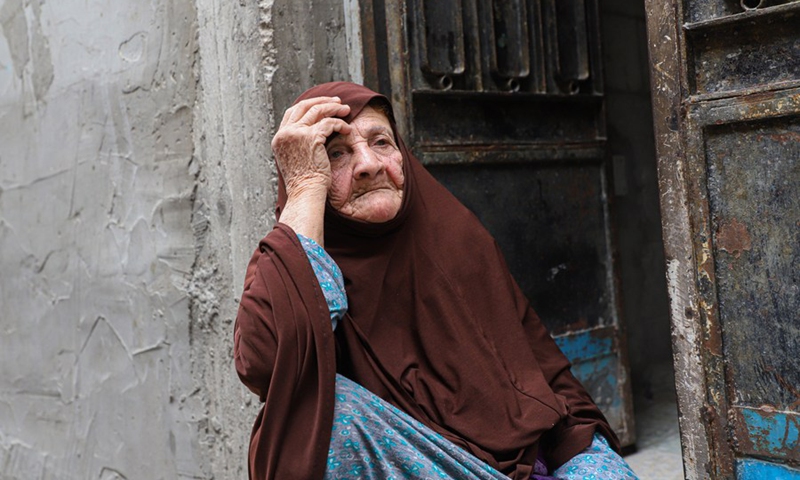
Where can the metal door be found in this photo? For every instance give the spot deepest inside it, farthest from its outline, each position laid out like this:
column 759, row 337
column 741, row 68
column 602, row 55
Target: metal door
column 726, row 93
column 502, row 100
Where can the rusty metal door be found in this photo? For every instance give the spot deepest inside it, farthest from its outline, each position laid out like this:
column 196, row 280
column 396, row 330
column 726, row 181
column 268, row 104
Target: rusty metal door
column 502, row 100
column 726, row 97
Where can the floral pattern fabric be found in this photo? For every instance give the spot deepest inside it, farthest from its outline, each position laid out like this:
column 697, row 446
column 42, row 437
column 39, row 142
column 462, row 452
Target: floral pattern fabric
column 597, row 462
column 373, row 439
column 329, row 276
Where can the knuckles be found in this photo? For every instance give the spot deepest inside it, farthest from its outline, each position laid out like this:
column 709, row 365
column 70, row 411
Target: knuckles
column 297, row 154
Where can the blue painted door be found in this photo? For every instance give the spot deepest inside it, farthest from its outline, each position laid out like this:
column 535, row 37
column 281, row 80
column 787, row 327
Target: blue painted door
column 726, row 94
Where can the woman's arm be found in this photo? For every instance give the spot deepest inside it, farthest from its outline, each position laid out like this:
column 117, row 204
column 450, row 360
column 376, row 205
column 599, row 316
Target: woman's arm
column 282, row 312
column 279, row 283
column 283, row 341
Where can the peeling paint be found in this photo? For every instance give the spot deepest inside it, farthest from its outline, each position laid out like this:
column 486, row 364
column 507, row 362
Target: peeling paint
column 594, row 355
column 752, row 469
column 767, row 431
column 734, row 238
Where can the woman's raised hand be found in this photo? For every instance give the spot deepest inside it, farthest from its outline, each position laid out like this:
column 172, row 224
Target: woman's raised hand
column 299, row 144
column 299, row 148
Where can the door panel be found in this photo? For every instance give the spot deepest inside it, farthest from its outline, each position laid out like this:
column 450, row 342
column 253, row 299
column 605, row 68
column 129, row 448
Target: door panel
column 455, row 120
column 597, row 361
column 551, row 225
column 754, row 199
column 754, row 202
column 728, row 121
column 750, row 469
column 502, row 100
column 744, row 54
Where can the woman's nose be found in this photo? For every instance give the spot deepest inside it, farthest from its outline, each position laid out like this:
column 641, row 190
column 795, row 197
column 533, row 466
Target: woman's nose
column 367, row 163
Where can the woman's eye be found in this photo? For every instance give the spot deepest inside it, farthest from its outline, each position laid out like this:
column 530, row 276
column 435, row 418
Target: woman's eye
column 335, row 155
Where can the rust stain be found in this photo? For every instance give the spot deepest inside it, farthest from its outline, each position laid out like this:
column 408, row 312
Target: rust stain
column 782, row 138
column 581, row 323
column 785, row 384
column 734, row 238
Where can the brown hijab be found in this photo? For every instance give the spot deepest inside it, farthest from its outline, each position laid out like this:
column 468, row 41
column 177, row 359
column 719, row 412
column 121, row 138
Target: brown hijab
column 436, row 325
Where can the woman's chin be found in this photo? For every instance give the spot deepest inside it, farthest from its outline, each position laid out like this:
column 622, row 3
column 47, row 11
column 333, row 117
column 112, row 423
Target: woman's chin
column 376, row 207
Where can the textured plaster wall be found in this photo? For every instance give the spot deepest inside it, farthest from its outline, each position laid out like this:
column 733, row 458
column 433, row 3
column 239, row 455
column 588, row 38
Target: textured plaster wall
column 255, row 59
column 96, row 188
column 135, row 181
column 232, row 210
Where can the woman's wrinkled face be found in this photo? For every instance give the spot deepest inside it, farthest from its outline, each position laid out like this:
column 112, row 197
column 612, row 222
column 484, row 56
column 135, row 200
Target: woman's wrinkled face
column 366, row 169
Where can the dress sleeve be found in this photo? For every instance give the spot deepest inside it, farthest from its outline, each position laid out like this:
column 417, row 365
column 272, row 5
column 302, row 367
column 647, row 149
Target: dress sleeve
column 284, row 352
column 329, row 276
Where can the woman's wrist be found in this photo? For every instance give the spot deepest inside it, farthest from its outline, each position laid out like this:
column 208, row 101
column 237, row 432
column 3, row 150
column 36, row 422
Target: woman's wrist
column 304, row 212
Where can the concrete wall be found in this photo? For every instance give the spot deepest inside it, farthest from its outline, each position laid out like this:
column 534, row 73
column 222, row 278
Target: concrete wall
column 135, row 181
column 254, row 60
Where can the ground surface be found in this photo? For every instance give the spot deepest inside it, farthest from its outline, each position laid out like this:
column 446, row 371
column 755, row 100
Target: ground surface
column 658, row 448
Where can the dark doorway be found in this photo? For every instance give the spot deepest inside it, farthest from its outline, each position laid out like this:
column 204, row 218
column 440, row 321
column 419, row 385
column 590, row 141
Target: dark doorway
column 640, row 248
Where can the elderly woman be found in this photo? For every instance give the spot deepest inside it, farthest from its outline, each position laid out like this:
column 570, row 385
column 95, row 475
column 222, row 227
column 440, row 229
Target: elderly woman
column 382, row 329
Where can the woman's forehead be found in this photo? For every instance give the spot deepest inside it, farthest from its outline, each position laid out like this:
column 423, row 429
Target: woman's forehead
column 369, row 121
column 371, row 117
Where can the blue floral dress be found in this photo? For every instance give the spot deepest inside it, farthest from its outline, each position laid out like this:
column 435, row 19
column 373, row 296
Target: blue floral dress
column 373, row 439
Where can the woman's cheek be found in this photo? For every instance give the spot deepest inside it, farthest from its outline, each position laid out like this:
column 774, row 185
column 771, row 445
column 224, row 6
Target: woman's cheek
column 395, row 170
column 340, row 187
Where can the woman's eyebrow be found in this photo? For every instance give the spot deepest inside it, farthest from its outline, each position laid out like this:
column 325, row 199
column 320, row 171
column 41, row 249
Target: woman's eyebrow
column 378, row 129
column 375, row 129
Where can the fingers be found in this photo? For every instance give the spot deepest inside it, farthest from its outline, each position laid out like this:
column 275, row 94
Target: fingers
column 323, row 110
column 296, row 112
column 327, row 126
column 306, row 145
column 312, row 110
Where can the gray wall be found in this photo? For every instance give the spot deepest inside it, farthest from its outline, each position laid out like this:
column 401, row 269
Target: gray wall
column 135, row 181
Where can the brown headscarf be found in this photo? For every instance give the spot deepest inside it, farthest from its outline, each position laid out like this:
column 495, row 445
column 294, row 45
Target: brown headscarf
column 436, row 325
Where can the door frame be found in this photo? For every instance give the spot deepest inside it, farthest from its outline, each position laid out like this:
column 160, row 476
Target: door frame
column 682, row 112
